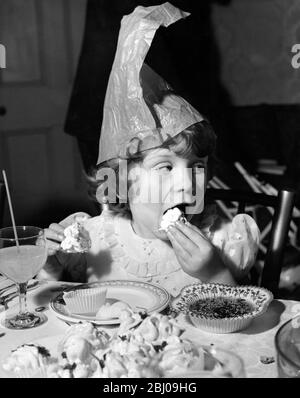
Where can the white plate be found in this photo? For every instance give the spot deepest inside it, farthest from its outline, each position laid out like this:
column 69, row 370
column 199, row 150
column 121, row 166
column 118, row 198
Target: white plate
column 138, row 295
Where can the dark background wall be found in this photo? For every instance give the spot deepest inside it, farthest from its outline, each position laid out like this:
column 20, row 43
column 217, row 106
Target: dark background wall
column 254, row 41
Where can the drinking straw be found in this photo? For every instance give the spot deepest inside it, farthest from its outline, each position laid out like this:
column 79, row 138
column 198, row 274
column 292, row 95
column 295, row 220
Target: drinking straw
column 11, row 209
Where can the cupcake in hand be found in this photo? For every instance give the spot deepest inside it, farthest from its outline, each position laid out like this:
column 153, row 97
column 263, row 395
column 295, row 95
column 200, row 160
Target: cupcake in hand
column 76, row 238
column 170, row 217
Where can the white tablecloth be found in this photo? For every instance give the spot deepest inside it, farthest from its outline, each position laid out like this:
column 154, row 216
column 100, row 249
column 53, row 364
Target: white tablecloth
column 250, row 344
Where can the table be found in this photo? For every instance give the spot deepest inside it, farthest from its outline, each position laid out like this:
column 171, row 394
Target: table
column 250, row 344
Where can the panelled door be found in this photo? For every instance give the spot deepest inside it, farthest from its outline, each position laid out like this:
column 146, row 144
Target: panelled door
column 42, row 39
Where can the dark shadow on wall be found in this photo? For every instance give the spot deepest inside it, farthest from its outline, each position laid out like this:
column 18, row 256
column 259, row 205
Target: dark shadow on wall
column 185, row 54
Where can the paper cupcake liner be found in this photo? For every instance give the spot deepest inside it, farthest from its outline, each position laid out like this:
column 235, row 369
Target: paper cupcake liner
column 259, row 297
column 220, row 325
column 85, row 300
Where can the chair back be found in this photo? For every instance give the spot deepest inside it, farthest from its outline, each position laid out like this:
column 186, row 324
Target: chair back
column 280, row 228
column 283, row 205
column 2, row 202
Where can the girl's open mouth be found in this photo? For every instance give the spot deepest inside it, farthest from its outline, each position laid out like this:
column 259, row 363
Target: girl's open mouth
column 180, row 206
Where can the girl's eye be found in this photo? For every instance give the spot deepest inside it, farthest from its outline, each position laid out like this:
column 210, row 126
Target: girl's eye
column 165, row 167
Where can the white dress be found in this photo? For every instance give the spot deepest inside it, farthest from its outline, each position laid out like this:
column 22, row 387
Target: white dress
column 117, row 252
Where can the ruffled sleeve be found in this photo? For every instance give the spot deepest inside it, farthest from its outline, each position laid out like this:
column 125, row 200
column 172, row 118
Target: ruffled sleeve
column 237, row 242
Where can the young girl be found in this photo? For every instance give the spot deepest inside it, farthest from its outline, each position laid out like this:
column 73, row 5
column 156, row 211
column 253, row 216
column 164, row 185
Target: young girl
column 168, row 149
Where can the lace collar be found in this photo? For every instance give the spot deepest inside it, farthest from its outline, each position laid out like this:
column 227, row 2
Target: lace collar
column 139, row 256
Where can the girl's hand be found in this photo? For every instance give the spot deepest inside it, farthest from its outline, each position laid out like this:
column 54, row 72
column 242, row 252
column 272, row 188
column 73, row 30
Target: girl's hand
column 196, row 254
column 54, row 235
column 55, row 232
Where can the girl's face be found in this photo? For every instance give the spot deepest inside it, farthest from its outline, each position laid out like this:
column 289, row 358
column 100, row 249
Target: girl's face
column 164, row 180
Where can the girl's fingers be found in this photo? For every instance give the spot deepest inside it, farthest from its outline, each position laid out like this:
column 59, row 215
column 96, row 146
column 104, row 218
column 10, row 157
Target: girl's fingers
column 191, row 232
column 182, row 256
column 180, row 253
column 185, row 241
column 52, row 246
column 179, row 248
column 54, row 233
column 194, row 228
column 80, row 216
column 57, row 227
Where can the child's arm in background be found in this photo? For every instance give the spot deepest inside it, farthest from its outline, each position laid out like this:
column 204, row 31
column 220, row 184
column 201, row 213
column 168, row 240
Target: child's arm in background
column 57, row 260
column 197, row 255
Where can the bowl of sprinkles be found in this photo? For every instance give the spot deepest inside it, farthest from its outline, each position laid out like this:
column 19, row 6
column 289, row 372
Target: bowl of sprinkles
column 219, row 308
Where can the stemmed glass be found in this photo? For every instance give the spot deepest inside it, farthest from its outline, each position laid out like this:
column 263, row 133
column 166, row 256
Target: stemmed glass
column 20, row 261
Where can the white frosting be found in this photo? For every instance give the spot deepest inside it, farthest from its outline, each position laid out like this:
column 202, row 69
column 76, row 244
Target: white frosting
column 180, row 356
column 128, row 319
column 66, row 370
column 77, row 349
column 170, row 217
column 133, row 362
column 81, row 371
column 76, row 239
column 96, row 338
column 114, row 365
column 153, row 349
column 157, row 328
column 114, row 310
column 25, row 358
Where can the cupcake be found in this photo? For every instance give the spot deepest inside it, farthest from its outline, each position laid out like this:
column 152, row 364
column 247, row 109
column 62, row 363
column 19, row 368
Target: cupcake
column 170, row 217
column 85, row 301
column 76, row 239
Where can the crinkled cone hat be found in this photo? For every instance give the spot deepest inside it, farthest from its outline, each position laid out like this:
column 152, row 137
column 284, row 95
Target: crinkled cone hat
column 141, row 111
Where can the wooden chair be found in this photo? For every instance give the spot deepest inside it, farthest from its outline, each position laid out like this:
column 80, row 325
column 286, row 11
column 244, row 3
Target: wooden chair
column 283, row 205
column 2, row 202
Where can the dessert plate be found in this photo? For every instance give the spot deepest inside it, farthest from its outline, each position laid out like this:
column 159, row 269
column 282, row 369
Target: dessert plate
column 140, row 296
